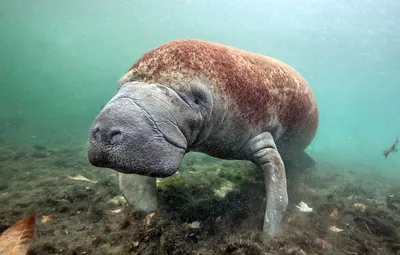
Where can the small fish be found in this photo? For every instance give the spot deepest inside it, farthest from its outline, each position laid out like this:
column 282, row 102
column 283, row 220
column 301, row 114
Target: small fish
column 391, row 149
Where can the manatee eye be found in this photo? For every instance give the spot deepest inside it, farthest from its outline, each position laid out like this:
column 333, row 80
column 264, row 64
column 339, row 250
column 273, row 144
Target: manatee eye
column 197, row 97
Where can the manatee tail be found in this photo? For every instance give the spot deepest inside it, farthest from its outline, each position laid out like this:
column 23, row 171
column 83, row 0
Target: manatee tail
column 301, row 162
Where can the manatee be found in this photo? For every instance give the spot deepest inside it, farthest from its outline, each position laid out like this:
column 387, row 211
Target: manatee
column 194, row 95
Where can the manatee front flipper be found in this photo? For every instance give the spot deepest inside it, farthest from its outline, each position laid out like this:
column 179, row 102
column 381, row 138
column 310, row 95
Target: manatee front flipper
column 139, row 191
column 262, row 151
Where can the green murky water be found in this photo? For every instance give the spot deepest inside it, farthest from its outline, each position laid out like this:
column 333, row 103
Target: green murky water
column 60, row 62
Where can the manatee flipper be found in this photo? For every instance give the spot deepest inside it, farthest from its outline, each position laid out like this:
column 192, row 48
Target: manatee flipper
column 262, row 151
column 139, row 191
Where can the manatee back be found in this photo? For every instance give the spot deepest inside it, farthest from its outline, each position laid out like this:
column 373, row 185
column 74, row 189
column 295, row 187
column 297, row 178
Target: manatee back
column 263, row 91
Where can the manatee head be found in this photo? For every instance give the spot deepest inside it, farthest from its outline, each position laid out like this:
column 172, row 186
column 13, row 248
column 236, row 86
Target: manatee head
column 146, row 129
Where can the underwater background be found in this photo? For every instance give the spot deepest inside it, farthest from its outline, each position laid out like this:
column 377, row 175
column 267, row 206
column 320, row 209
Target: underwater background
column 60, row 62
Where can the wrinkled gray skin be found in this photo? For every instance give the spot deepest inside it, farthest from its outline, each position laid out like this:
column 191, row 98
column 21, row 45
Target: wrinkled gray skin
column 146, row 129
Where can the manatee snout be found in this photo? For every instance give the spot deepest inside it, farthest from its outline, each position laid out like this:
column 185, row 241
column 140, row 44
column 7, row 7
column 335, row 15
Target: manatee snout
column 131, row 136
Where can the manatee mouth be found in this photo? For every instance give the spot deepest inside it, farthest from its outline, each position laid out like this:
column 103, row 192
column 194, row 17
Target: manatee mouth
column 164, row 166
column 162, row 174
column 157, row 157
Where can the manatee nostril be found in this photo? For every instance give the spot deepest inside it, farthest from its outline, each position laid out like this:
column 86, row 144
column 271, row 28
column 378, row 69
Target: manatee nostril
column 115, row 136
column 95, row 133
column 106, row 135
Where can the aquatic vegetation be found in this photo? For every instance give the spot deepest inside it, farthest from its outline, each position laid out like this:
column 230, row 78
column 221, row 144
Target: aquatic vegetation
column 393, row 202
column 192, row 216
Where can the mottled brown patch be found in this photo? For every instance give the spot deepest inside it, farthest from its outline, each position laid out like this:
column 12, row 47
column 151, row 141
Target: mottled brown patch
column 262, row 88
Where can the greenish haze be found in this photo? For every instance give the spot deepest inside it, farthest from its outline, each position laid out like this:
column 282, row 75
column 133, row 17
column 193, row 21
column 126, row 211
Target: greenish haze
column 60, row 62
